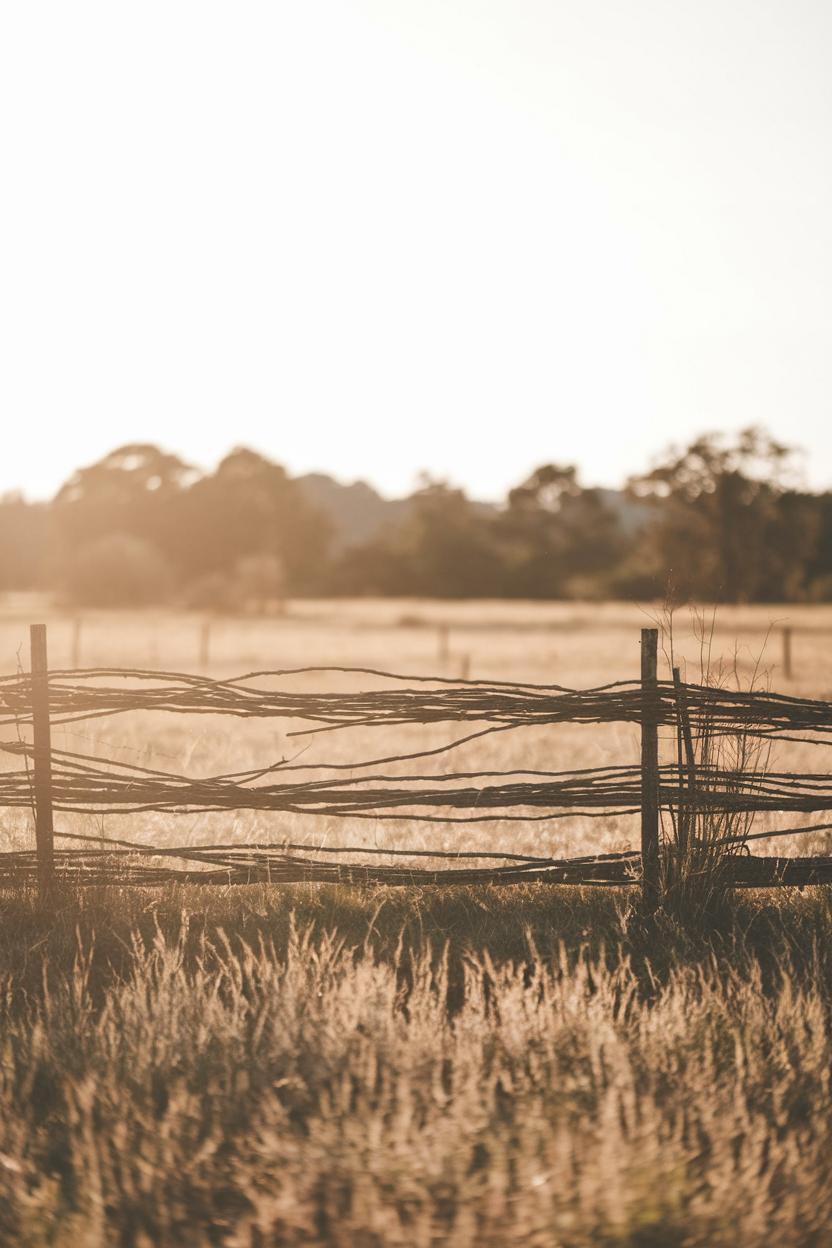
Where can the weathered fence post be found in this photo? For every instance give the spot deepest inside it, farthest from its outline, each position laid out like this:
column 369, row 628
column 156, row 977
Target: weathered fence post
column 42, row 740
column 649, row 769
column 787, row 652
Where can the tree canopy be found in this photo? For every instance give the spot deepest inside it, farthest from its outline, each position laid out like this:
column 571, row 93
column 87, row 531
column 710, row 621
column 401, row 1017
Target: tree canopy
column 723, row 519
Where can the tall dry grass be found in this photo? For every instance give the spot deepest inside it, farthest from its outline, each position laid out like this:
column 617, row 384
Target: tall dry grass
column 452, row 1067
column 702, row 841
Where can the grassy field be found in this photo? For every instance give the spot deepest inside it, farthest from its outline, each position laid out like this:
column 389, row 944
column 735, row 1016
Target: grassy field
column 265, row 1066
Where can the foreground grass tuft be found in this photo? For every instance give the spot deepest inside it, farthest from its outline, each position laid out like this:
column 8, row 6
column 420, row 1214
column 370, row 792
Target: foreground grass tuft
column 275, row 1067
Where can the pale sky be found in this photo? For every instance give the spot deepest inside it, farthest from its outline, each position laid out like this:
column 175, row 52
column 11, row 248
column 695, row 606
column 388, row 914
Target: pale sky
column 367, row 237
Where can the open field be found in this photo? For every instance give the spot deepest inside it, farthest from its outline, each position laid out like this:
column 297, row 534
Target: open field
column 413, row 1067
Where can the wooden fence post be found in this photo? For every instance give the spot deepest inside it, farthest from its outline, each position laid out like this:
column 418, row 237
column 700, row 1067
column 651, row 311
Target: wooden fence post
column 787, row 653
column 649, row 769
column 42, row 740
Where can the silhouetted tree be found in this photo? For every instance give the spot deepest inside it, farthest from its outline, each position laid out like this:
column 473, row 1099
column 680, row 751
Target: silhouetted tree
column 248, row 507
column 260, row 581
column 24, row 544
column 117, row 570
column 819, row 561
column 727, row 526
column 723, row 518
column 443, row 547
column 134, row 489
column 202, row 525
column 555, row 537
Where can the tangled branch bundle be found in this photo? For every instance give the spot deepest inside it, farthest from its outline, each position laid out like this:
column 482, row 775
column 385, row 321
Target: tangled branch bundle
column 90, row 786
column 258, row 864
column 86, row 695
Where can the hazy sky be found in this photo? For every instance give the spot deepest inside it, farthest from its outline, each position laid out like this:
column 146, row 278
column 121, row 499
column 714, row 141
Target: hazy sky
column 374, row 237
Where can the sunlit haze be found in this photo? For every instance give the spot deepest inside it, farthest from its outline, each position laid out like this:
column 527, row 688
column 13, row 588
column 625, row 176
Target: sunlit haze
column 373, row 238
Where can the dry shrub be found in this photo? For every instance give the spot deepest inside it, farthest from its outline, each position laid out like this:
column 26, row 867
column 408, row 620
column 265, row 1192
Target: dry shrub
column 696, row 876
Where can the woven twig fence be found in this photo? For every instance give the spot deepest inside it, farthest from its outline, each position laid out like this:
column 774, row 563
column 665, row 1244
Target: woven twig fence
column 53, row 780
column 92, row 693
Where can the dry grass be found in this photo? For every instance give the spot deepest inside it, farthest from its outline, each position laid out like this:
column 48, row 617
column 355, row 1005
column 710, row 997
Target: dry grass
column 271, row 1066
column 253, row 1076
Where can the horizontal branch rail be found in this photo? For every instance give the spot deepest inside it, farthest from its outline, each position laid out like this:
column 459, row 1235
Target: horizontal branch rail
column 86, row 695
column 87, row 785
column 256, row 866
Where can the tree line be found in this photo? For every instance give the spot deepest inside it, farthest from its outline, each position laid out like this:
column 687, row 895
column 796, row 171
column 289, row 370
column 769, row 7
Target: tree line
column 721, row 520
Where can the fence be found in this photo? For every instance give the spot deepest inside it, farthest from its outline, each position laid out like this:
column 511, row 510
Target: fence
column 203, row 647
column 52, row 780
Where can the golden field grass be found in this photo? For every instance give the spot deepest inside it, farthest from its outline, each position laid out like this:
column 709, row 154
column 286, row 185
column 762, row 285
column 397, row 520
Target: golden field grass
column 308, row 1065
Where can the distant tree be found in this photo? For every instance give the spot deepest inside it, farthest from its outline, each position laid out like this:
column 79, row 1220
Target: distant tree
column 24, row 543
column 555, row 536
column 203, row 525
column 728, row 524
column 135, row 489
column 449, row 544
column 211, row 591
column 260, row 582
column 376, row 567
column 250, row 507
column 723, row 518
column 117, row 570
column 442, row 547
column 819, row 566
column 127, row 475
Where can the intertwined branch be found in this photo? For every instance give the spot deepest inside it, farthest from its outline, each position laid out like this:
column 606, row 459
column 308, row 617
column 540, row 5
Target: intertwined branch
column 88, row 785
column 90, row 694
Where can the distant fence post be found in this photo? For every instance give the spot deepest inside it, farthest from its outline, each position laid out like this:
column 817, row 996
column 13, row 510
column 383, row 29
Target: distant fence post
column 76, row 643
column 787, row 653
column 649, row 769
column 42, row 740
column 443, row 643
column 205, row 643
